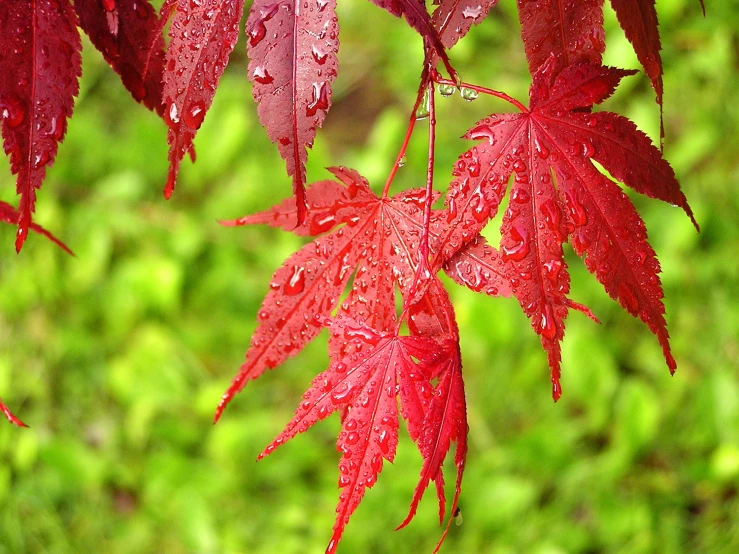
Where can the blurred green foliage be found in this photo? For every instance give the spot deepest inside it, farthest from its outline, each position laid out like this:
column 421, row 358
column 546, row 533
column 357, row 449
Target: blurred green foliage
column 117, row 357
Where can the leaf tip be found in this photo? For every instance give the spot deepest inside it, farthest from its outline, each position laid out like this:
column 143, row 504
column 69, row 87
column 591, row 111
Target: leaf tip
column 556, row 390
column 20, row 237
column 169, row 187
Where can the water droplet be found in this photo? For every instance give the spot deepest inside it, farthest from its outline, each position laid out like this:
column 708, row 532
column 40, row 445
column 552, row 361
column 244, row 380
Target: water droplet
column 520, row 195
column 541, row 150
column 446, row 90
column 322, row 223
column 352, row 438
column 361, row 333
column 472, row 12
column 588, row 150
column 40, row 159
column 469, row 94
column 174, row 114
column 480, row 210
column 546, row 324
column 402, row 161
column 552, row 269
column 551, row 213
column 296, row 283
column 520, row 248
column 579, row 217
column 321, row 5
column 483, row 132
column 12, row 112
column 194, row 115
column 319, row 55
column 383, row 440
column 262, row 76
column 259, row 31
column 342, row 393
column 320, row 99
column 141, row 10
column 519, row 166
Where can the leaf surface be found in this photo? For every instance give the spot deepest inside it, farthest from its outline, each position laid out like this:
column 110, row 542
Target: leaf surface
column 39, row 67
column 292, row 49
column 203, row 34
column 366, row 384
column 128, row 34
column 570, row 30
column 454, row 18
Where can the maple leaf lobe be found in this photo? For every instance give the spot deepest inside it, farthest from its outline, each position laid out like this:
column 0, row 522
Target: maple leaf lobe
column 38, row 83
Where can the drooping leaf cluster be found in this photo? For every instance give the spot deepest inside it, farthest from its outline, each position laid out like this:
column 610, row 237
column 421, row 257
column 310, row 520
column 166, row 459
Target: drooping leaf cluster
column 370, row 253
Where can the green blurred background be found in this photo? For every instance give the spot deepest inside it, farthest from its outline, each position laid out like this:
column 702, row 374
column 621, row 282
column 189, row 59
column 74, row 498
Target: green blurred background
column 117, row 357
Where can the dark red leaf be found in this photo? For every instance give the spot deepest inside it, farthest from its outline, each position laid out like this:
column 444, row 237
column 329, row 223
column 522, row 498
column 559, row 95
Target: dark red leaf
column 192, row 73
column 128, row 34
column 571, row 30
column 638, row 19
column 560, row 135
column 39, row 68
column 292, row 51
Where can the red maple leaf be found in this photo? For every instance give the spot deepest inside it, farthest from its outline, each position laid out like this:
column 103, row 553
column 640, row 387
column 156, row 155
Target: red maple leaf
column 569, row 30
column 292, row 63
column 374, row 242
column 39, row 67
column 203, row 34
column 556, row 140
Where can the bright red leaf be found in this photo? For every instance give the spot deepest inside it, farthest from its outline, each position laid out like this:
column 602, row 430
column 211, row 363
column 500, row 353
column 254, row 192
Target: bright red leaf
column 39, row 67
column 366, row 384
column 376, row 241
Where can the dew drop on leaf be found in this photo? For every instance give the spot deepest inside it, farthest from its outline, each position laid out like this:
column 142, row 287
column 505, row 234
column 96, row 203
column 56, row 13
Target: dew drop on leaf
column 296, row 283
column 194, row 115
column 262, row 76
column 319, row 101
column 520, row 248
column 546, row 324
